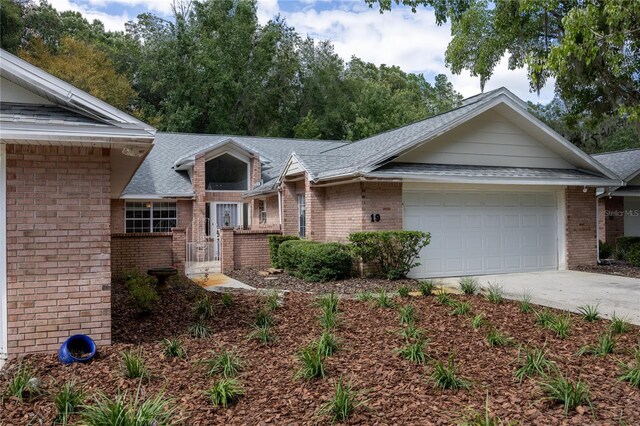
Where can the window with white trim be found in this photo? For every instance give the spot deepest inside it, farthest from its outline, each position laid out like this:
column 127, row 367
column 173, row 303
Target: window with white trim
column 262, row 210
column 146, row 216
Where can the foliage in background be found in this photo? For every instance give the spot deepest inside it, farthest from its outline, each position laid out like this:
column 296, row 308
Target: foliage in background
column 212, row 68
column 590, row 49
column 315, row 262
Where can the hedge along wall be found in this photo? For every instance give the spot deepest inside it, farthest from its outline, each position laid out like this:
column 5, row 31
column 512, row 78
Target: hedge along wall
column 245, row 248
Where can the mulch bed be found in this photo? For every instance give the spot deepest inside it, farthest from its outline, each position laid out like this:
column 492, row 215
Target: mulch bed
column 616, row 268
column 396, row 392
column 285, row 281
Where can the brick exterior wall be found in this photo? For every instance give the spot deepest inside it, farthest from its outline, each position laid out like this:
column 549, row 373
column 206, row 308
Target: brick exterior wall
column 290, row 220
column 343, row 211
column 251, row 249
column 385, row 199
column 140, row 251
column 610, row 226
column 581, row 226
column 273, row 217
column 58, row 246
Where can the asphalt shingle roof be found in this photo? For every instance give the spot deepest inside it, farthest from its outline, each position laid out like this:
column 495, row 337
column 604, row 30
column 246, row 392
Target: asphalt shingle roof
column 354, row 156
column 623, row 163
column 466, row 171
column 156, row 175
column 43, row 114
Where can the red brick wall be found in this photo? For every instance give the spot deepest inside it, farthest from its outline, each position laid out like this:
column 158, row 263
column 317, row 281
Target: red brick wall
column 611, row 225
column 343, row 211
column 273, row 218
column 58, row 246
column 251, row 249
column 581, row 226
column 385, row 199
column 140, row 251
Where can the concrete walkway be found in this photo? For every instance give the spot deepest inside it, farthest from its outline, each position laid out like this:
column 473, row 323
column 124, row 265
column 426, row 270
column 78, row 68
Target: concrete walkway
column 570, row 289
column 218, row 282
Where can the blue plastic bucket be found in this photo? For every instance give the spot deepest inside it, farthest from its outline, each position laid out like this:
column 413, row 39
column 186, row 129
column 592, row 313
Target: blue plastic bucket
column 75, row 345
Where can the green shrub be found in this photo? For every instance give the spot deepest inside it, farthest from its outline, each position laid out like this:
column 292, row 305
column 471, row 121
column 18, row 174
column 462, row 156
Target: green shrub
column 199, row 330
column 533, row 362
column 226, row 363
column 264, row 318
column 495, row 293
column 68, row 401
column 414, row 351
column 173, row 348
column 625, row 243
column 426, row 287
column 619, row 325
column 478, row 321
column 261, row 333
column 316, row 262
column 325, row 262
column 383, row 300
column 329, row 302
column 469, row 285
column 410, row 332
column 327, row 344
column 225, row 392
column 445, row 376
column 312, row 362
column 605, row 346
column 631, row 371
column 133, row 365
column 633, row 255
column 289, row 255
column 569, row 394
column 394, row 252
column 404, row 291
column 560, row 325
column 226, row 299
column 23, row 384
column 496, row 338
column 407, row 314
column 589, row 312
column 274, row 245
column 203, row 309
column 604, row 249
column 124, row 411
column 343, row 404
column 143, row 293
column 525, row 303
column 460, row 308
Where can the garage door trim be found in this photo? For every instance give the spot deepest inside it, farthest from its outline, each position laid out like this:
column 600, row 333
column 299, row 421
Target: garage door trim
column 557, row 192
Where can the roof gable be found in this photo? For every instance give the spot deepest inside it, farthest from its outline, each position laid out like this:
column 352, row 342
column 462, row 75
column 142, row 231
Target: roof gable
column 625, row 164
column 489, row 139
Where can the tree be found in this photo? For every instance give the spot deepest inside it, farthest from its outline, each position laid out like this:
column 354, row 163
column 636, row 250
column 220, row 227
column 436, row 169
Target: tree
column 83, row 65
column 11, row 25
column 591, row 48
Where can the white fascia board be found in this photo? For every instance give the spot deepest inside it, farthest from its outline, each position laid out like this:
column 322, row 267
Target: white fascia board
column 409, row 177
column 31, row 77
column 62, row 134
column 293, row 156
column 187, row 161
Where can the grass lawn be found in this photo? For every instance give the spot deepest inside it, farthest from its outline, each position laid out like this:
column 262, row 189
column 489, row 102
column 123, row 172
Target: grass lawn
column 391, row 365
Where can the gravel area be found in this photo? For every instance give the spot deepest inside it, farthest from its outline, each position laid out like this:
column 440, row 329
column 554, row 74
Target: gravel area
column 285, row 281
column 395, row 391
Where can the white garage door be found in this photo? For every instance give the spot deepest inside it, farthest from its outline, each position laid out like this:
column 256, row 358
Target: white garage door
column 475, row 233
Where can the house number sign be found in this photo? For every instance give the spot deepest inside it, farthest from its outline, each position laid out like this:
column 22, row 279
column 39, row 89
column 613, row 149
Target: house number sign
column 375, row 217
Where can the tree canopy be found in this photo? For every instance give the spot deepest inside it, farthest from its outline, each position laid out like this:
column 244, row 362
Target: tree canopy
column 213, row 68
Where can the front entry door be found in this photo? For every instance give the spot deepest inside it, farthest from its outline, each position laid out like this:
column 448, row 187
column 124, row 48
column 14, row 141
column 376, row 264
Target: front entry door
column 225, row 215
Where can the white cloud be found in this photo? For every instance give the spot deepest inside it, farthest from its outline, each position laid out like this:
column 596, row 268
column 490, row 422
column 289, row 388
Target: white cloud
column 111, row 22
column 412, row 41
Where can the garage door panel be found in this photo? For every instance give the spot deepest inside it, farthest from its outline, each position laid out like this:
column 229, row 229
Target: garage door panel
column 476, row 233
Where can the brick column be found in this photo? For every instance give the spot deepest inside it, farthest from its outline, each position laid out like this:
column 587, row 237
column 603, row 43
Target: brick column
column 227, row 262
column 289, row 209
column 199, row 212
column 581, row 226
column 314, row 205
column 178, row 248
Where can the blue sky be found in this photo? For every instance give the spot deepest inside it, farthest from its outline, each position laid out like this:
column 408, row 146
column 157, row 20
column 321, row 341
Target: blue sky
column 410, row 40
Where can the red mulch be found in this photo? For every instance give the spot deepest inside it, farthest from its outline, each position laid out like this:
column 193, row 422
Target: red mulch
column 615, row 268
column 396, row 391
column 285, row 281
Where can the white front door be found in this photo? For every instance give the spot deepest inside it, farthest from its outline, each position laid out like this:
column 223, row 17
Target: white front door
column 3, row 254
column 483, row 232
column 225, row 215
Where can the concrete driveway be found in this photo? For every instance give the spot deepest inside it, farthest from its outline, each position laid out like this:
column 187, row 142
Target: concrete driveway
column 570, row 289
